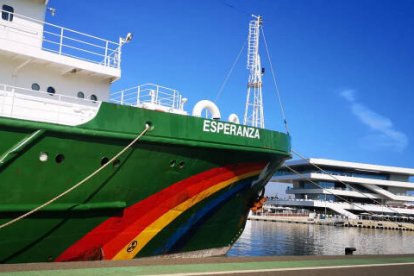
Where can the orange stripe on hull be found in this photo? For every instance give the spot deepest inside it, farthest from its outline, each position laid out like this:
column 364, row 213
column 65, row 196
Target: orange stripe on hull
column 115, row 234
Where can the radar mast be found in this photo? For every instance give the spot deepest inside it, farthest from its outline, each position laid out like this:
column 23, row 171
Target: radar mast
column 253, row 114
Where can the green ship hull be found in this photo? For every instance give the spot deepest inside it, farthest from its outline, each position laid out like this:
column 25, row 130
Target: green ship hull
column 185, row 187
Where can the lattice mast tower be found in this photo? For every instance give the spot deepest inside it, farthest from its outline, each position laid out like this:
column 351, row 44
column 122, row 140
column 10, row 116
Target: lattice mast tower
column 253, row 114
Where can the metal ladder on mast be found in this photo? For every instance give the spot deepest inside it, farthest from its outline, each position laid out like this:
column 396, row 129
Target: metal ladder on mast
column 253, row 44
column 253, row 114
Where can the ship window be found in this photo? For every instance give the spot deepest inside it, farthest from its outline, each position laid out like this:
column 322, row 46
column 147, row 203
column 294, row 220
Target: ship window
column 51, row 90
column 116, row 163
column 59, row 158
column 7, row 13
column 35, row 87
column 43, row 156
column 104, row 161
column 94, row 97
column 81, row 95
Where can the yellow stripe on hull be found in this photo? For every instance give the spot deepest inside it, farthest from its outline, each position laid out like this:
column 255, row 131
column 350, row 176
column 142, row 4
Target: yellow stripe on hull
column 157, row 226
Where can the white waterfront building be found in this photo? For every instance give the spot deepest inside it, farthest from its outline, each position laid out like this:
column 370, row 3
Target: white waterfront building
column 347, row 188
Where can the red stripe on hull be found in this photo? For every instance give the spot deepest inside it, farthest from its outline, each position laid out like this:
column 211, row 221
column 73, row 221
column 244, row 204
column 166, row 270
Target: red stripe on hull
column 105, row 240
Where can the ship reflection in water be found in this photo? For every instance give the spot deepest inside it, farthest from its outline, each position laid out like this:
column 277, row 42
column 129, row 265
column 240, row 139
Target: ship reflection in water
column 285, row 239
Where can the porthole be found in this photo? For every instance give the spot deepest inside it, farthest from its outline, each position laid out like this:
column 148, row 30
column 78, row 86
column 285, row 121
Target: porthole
column 7, row 13
column 172, row 163
column 104, row 160
column 181, row 165
column 148, row 124
column 51, row 90
column 59, row 158
column 35, row 87
column 81, row 95
column 116, row 163
column 43, row 156
column 94, row 97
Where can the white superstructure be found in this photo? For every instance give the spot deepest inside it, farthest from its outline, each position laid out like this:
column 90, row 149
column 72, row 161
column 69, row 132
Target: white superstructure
column 54, row 74
column 51, row 58
column 50, row 73
column 348, row 188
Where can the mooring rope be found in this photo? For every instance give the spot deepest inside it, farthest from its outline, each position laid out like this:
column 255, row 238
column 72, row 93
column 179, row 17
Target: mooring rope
column 147, row 127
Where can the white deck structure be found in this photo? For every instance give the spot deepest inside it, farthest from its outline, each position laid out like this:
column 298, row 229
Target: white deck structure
column 50, row 73
column 348, row 188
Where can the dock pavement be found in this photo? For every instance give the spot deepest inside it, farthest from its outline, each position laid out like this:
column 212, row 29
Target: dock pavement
column 375, row 265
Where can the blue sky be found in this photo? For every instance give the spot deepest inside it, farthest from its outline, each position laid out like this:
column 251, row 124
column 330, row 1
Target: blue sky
column 345, row 69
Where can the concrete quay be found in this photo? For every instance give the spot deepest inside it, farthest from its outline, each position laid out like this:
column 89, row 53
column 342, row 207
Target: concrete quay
column 289, row 265
column 297, row 219
column 370, row 224
column 374, row 224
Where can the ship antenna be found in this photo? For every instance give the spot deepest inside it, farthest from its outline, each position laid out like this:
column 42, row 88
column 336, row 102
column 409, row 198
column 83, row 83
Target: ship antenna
column 253, row 114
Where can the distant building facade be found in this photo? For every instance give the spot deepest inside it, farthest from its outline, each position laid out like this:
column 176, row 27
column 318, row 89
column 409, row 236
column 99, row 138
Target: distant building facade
column 347, row 188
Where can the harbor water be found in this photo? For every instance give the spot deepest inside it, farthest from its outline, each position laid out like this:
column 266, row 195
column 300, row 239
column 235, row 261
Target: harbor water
column 263, row 238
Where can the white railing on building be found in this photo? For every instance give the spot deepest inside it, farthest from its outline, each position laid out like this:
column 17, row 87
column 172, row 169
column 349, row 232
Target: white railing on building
column 63, row 41
column 379, row 208
column 151, row 96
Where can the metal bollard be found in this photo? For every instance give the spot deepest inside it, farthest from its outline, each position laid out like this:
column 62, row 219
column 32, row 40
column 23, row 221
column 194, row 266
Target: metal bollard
column 349, row 250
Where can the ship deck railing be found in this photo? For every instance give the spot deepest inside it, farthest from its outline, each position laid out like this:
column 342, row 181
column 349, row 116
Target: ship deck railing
column 63, row 41
column 23, row 103
column 151, row 96
column 15, row 90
